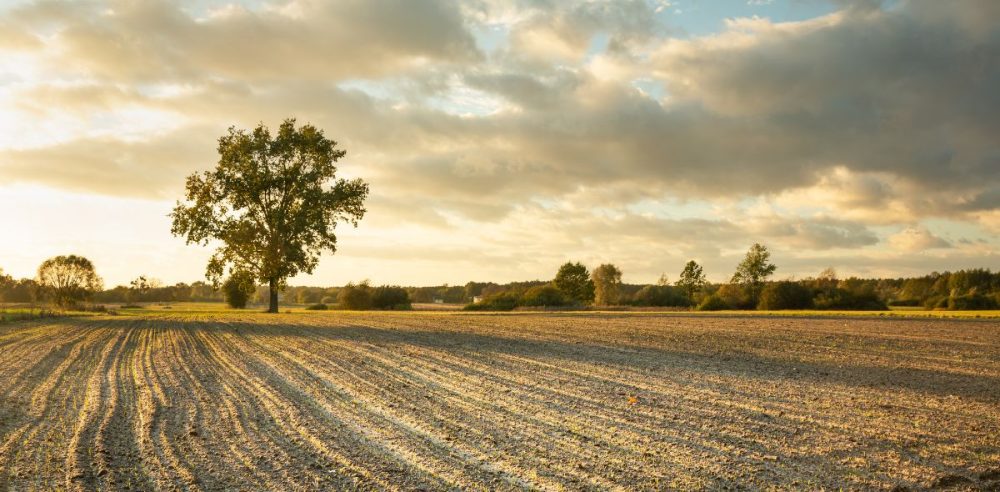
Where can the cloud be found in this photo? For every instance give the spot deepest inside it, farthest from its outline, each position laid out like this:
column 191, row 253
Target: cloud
column 156, row 41
column 916, row 239
column 816, row 136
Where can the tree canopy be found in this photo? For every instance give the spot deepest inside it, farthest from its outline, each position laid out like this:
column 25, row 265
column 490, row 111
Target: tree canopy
column 753, row 271
column 272, row 201
column 68, row 279
column 607, row 284
column 692, row 279
column 573, row 280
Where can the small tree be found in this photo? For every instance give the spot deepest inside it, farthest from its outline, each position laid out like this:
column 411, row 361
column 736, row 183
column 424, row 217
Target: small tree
column 68, row 280
column 141, row 286
column 574, row 281
column 607, row 284
column 355, row 297
column 390, row 297
column 692, row 280
column 238, row 288
column 753, row 271
column 272, row 202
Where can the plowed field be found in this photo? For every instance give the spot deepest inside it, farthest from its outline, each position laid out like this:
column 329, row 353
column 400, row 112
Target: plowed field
column 442, row 401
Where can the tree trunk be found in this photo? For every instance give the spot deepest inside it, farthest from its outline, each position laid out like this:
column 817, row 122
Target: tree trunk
column 273, row 290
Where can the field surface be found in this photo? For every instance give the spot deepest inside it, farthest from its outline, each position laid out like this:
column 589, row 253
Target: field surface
column 441, row 401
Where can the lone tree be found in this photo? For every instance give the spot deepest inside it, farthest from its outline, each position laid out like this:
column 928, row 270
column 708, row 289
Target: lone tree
column 273, row 202
column 69, row 279
column 573, row 280
column 607, row 284
column 753, row 271
column 692, row 279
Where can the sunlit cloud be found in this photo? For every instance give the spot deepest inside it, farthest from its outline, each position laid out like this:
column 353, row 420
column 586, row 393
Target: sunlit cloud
column 524, row 133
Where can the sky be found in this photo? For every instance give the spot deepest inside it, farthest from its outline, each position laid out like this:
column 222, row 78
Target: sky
column 501, row 139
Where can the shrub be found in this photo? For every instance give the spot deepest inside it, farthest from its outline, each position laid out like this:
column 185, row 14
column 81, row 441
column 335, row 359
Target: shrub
column 847, row 300
column 502, row 301
column 713, row 302
column 390, row 297
column 735, row 296
column 544, row 295
column 355, row 297
column 238, row 288
column 785, row 295
column 317, row 307
column 936, row 302
column 660, row 295
column 904, row 302
column 971, row 302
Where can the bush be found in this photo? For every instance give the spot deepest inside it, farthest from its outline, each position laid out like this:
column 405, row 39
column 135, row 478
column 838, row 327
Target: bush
column 355, row 297
column 846, row 300
column 660, row 295
column 544, row 295
column 390, row 297
column 785, row 295
column 938, row 302
column 735, row 297
column 317, row 307
column 904, row 302
column 503, row 301
column 238, row 288
column 713, row 302
column 971, row 302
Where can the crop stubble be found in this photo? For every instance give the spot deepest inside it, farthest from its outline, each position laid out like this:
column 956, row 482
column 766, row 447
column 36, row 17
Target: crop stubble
column 538, row 401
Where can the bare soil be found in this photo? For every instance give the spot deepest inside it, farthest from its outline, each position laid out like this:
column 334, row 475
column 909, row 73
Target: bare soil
column 441, row 401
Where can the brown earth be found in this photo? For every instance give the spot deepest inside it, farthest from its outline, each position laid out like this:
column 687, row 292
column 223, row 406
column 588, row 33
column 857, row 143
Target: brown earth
column 477, row 401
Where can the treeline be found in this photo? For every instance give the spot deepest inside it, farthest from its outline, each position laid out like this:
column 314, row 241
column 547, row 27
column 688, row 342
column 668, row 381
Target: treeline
column 70, row 280
column 749, row 288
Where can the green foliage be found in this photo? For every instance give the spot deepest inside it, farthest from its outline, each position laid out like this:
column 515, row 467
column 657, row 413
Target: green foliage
column 753, row 271
column 848, row 300
column 390, row 297
column 238, row 288
column 735, row 296
column 692, row 280
column 574, row 281
column 607, row 284
column 503, row 301
column 785, row 295
column 661, row 296
column 971, row 302
column 544, row 295
column 68, row 280
column 713, row 302
column 270, row 204
column 355, row 297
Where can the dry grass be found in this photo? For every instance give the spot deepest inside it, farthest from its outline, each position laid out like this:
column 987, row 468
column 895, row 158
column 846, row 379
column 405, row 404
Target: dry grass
column 246, row 401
